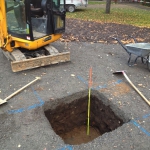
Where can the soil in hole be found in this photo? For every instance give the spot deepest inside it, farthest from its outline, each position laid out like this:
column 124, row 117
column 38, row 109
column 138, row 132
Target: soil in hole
column 69, row 120
column 79, row 135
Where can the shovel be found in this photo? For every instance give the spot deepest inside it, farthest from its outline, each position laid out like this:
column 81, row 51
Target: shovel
column 125, row 75
column 10, row 96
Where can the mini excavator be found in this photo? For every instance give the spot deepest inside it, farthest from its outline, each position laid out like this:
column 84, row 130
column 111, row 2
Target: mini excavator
column 27, row 28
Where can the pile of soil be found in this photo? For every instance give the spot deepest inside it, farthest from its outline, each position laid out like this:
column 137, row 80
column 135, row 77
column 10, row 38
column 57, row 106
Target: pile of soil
column 89, row 31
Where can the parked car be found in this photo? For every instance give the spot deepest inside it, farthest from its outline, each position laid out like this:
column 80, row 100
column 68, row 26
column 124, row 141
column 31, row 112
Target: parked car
column 71, row 5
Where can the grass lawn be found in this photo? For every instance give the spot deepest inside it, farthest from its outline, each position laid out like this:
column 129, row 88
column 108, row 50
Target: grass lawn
column 131, row 16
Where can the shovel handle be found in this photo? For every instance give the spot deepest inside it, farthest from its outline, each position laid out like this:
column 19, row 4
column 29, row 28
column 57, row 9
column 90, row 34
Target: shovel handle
column 10, row 96
column 146, row 100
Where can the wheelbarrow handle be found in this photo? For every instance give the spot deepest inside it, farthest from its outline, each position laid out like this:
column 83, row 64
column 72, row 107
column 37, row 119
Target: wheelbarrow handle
column 125, row 48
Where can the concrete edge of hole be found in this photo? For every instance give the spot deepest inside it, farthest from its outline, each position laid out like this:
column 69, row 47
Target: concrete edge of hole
column 74, row 96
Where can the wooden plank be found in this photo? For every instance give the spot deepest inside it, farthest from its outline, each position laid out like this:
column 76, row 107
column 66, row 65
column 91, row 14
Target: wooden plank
column 40, row 61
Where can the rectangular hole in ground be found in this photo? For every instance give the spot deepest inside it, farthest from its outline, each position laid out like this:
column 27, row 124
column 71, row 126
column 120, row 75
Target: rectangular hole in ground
column 69, row 120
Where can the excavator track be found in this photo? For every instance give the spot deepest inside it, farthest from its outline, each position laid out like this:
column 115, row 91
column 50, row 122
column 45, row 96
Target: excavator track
column 22, row 62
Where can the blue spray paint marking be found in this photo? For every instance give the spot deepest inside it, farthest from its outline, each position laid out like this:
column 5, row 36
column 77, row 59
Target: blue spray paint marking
column 140, row 127
column 98, row 87
column 118, row 81
column 143, row 117
column 105, row 86
column 16, row 111
column 85, row 82
column 81, row 79
column 146, row 116
column 29, row 107
column 68, row 147
column 101, row 87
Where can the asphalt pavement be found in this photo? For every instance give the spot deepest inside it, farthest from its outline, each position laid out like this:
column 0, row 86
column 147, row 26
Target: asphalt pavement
column 23, row 124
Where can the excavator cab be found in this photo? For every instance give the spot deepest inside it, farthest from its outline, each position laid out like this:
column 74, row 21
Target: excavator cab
column 28, row 28
column 33, row 19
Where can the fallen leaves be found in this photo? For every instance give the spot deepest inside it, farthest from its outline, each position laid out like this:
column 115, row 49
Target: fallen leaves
column 141, row 85
column 90, row 31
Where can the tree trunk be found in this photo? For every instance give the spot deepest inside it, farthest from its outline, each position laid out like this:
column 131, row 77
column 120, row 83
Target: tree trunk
column 108, row 3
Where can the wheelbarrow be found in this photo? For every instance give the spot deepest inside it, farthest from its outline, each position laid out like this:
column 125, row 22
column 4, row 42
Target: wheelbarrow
column 140, row 50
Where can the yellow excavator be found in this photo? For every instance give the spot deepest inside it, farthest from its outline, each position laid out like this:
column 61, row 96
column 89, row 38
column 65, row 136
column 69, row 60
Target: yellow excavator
column 27, row 28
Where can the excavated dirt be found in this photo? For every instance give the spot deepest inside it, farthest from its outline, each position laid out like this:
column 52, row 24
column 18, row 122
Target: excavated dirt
column 117, row 90
column 69, row 121
column 90, row 31
column 78, row 135
column 120, row 89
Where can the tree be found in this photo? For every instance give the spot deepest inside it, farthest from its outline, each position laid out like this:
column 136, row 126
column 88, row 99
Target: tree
column 108, row 3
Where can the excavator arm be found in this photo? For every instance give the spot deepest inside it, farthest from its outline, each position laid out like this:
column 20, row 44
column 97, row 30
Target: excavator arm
column 3, row 25
column 1, row 31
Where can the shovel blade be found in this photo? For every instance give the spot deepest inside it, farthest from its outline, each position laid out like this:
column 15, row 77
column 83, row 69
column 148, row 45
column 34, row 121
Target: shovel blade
column 119, row 72
column 2, row 101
